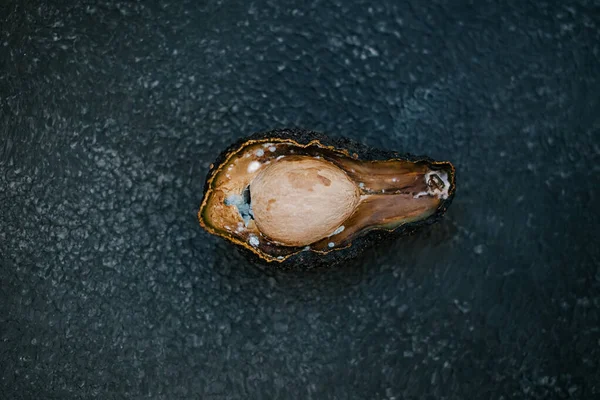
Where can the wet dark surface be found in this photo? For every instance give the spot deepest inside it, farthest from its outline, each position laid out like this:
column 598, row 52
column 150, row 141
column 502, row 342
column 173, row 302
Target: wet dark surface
column 111, row 113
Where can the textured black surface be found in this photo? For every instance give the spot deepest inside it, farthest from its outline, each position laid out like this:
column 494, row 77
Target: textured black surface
column 112, row 112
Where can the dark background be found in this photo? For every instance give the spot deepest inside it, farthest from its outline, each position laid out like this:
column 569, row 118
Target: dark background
column 111, row 112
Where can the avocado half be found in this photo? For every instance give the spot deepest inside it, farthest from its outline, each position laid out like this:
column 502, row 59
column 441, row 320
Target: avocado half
column 297, row 198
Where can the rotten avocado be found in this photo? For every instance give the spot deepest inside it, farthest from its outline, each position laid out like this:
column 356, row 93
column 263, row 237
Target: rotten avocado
column 294, row 197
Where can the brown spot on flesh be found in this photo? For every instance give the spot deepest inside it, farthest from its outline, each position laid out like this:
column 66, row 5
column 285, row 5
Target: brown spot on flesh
column 307, row 179
column 324, row 181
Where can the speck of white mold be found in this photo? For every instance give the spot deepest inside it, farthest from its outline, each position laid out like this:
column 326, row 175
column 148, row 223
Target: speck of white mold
column 253, row 166
column 394, row 180
column 259, row 153
column 254, row 241
column 331, row 244
column 272, row 149
column 361, row 185
column 232, row 199
column 338, row 230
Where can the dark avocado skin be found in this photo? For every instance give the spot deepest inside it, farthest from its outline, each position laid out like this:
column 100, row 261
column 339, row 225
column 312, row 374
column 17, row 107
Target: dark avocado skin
column 307, row 260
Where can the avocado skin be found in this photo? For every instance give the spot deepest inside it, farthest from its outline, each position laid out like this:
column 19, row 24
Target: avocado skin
column 308, row 260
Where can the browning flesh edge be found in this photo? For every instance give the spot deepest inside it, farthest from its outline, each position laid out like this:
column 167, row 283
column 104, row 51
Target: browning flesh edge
column 277, row 197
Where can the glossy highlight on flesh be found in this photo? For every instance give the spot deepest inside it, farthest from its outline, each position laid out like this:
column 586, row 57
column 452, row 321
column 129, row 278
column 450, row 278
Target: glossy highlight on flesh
column 278, row 197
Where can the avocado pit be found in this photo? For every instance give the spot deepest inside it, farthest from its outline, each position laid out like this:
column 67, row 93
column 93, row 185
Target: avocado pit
column 300, row 199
